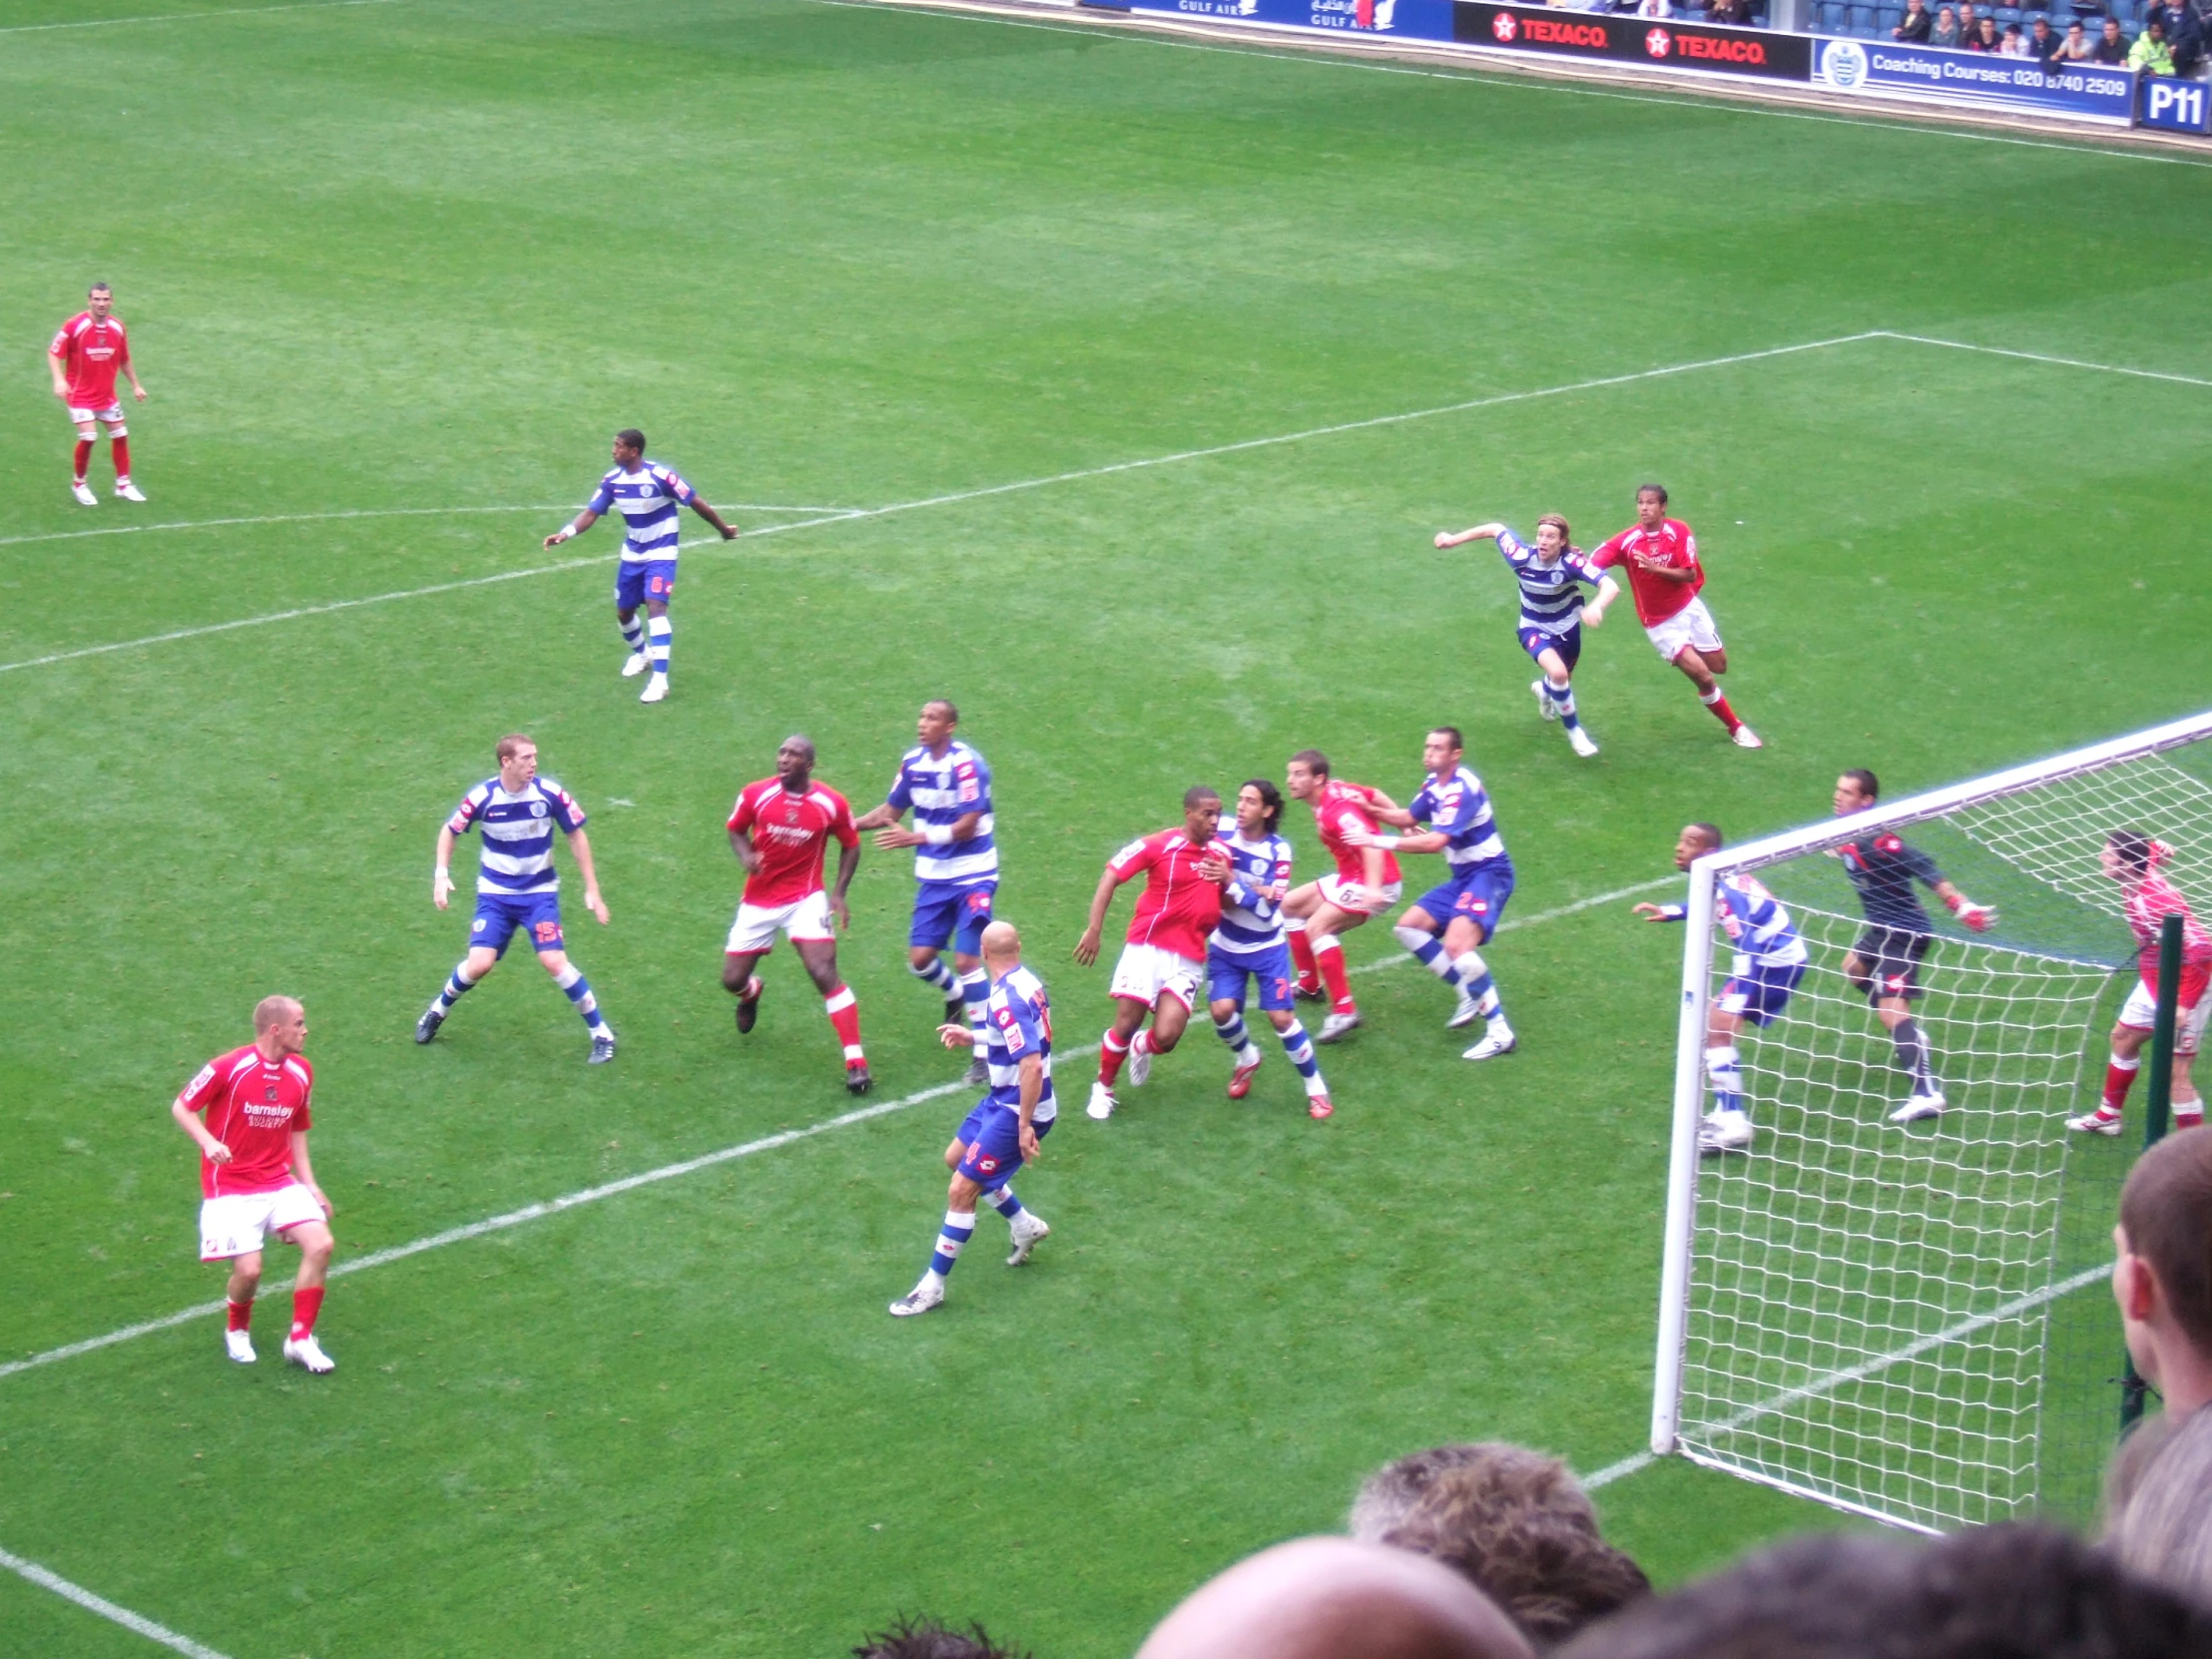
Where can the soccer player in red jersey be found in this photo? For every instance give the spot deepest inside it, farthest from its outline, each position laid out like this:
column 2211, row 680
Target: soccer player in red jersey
column 1665, row 576
column 1367, row 884
column 255, row 1178
column 84, row 358
column 2131, row 859
column 779, row 829
column 1165, row 957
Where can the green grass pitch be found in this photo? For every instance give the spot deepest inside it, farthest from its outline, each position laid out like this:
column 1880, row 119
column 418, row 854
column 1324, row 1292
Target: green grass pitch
column 427, row 255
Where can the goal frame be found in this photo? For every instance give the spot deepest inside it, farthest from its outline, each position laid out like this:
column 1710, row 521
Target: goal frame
column 1697, row 968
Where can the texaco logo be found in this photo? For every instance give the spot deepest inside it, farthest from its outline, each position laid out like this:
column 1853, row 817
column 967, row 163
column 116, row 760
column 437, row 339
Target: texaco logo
column 1658, row 42
column 1504, row 26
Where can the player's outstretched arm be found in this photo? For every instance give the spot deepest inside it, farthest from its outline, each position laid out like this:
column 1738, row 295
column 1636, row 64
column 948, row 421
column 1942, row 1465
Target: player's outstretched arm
column 1662, row 913
column 583, row 521
column 956, row 1036
column 305, row 1172
column 580, row 845
column 1086, row 947
column 1979, row 917
column 442, row 876
column 699, row 506
column 879, row 818
column 1460, row 538
column 1594, row 613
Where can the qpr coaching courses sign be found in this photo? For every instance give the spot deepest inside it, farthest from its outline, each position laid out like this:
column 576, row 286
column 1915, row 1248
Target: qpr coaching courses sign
column 1670, row 43
column 2090, row 92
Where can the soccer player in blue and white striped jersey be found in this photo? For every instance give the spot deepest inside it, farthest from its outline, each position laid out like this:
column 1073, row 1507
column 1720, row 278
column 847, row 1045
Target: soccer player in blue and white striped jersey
column 947, row 786
column 516, row 887
column 1551, row 574
column 647, row 495
column 1768, row 961
column 1445, row 926
column 1248, row 943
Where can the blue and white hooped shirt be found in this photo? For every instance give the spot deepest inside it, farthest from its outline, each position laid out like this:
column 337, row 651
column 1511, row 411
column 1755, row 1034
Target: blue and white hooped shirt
column 1458, row 809
column 942, row 789
column 517, row 855
column 1251, row 925
column 647, row 499
column 1017, row 1022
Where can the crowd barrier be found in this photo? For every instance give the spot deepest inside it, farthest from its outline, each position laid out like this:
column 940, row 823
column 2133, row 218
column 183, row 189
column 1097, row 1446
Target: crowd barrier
column 2089, row 93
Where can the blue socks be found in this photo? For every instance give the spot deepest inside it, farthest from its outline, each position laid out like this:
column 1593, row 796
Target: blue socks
column 937, row 974
column 571, row 979
column 951, row 1238
column 457, row 983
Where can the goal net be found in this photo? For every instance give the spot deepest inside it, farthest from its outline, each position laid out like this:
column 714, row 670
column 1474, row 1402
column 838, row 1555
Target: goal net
column 1908, row 1321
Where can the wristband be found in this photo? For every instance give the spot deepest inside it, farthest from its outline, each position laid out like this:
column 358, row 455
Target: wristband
column 936, row 835
column 1958, row 902
column 567, row 532
column 1384, row 844
column 443, row 873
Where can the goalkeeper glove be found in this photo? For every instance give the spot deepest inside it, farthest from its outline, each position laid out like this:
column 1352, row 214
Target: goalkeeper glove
column 1979, row 917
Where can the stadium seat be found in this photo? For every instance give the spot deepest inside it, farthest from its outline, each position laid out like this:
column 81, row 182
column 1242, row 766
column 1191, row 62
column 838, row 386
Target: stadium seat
column 2007, row 14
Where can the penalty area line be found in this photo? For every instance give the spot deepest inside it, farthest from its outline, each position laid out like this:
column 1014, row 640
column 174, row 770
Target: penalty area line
column 982, row 492
column 372, row 512
column 32, row 1572
column 190, row 17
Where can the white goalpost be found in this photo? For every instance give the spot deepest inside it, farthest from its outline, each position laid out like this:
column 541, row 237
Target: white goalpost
column 1862, row 1312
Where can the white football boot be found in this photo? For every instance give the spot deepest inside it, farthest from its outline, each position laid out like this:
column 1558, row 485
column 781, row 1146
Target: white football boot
column 1499, row 1040
column 1140, row 1061
column 307, row 1354
column 1745, row 738
column 636, row 664
column 924, row 1297
column 1467, row 1013
column 2097, row 1122
column 656, row 689
column 83, row 495
column 1336, row 1027
column 1918, row 1106
column 1544, row 705
column 240, row 1345
column 125, row 490
column 1581, row 742
column 1030, row 1231
column 1102, row 1101
column 1725, row 1132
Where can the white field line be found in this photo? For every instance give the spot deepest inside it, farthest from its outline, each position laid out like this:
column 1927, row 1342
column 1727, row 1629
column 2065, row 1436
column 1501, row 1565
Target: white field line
column 107, row 1609
column 2056, row 363
column 849, row 515
column 666, row 1172
column 1161, row 31
column 190, row 17
column 368, row 512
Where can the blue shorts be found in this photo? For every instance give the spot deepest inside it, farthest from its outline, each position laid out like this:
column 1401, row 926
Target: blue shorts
column 1479, row 895
column 637, row 580
column 1761, row 995
column 995, row 1151
column 1225, row 977
column 1536, row 642
column 944, row 911
column 538, row 914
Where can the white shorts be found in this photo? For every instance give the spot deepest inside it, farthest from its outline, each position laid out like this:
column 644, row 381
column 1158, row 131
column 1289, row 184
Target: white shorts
column 802, row 919
column 2141, row 1012
column 112, row 414
column 1146, row 973
column 1692, row 625
column 236, row 1224
column 1339, row 892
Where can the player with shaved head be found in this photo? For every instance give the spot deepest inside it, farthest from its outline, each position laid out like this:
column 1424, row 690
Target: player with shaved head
column 255, row 1177
column 85, row 357
column 779, row 829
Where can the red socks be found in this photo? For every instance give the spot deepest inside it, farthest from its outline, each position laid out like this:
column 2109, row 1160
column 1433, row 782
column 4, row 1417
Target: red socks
column 1329, row 955
column 1301, row 953
column 241, row 1314
column 1111, row 1052
column 84, row 457
column 1717, row 703
column 121, row 447
column 2118, row 1079
column 306, row 1303
column 844, row 1013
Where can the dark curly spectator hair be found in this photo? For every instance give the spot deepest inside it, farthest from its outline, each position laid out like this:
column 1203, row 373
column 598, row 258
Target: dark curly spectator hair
column 933, row 1639
column 1994, row 1592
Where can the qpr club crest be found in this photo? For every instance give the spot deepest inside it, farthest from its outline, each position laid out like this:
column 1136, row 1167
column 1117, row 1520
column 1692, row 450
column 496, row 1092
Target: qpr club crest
column 1505, row 27
column 1658, row 43
column 537, row 809
column 1844, row 64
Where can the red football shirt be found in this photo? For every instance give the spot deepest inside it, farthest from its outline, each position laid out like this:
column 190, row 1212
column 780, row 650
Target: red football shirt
column 790, row 833
column 2149, row 906
column 1341, row 806
column 252, row 1108
column 1178, row 906
column 90, row 351
column 1657, row 597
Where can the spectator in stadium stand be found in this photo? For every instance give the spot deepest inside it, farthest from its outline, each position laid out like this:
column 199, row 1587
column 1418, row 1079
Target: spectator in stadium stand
column 2014, row 43
column 2013, row 1590
column 2184, row 35
column 1968, row 24
column 2158, row 1497
column 1917, row 25
column 2111, row 46
column 1946, row 32
column 2044, row 42
column 2150, row 52
column 931, row 1639
column 1985, row 37
column 1332, row 1599
column 1737, row 12
column 1512, row 1521
column 2074, row 46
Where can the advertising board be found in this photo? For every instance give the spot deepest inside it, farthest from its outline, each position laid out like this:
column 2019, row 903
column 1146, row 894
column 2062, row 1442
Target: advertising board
column 1670, row 42
column 2084, row 91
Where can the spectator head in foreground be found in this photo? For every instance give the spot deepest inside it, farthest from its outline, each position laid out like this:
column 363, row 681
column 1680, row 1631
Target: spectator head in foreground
column 931, row 1639
column 1997, row 1593
column 2158, row 1501
column 1332, row 1599
column 1515, row 1522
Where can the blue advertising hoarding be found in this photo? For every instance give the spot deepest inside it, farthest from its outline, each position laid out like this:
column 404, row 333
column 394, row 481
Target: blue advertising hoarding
column 1428, row 20
column 2176, row 106
column 2088, row 92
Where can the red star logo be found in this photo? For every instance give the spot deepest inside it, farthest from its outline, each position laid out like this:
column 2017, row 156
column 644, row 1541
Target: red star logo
column 1658, row 43
column 1504, row 26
